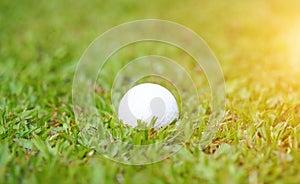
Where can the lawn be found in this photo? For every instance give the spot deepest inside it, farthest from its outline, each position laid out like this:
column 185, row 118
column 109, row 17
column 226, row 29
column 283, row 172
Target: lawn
column 257, row 44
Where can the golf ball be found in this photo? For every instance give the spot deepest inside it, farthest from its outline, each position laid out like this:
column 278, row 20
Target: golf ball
column 147, row 101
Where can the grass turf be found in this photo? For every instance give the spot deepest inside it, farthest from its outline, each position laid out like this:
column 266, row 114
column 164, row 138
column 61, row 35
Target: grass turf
column 255, row 42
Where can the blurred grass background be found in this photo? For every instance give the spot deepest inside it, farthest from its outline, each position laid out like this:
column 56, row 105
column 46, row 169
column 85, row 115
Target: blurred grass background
column 256, row 42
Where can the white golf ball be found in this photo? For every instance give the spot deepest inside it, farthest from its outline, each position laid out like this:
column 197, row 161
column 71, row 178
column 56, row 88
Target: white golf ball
column 146, row 101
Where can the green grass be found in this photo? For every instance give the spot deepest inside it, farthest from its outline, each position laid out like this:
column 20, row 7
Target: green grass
column 258, row 141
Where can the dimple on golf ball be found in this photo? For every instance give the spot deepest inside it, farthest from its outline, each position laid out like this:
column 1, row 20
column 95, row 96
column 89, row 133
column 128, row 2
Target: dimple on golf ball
column 147, row 101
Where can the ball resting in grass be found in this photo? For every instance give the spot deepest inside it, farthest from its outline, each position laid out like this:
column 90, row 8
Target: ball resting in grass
column 147, row 101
